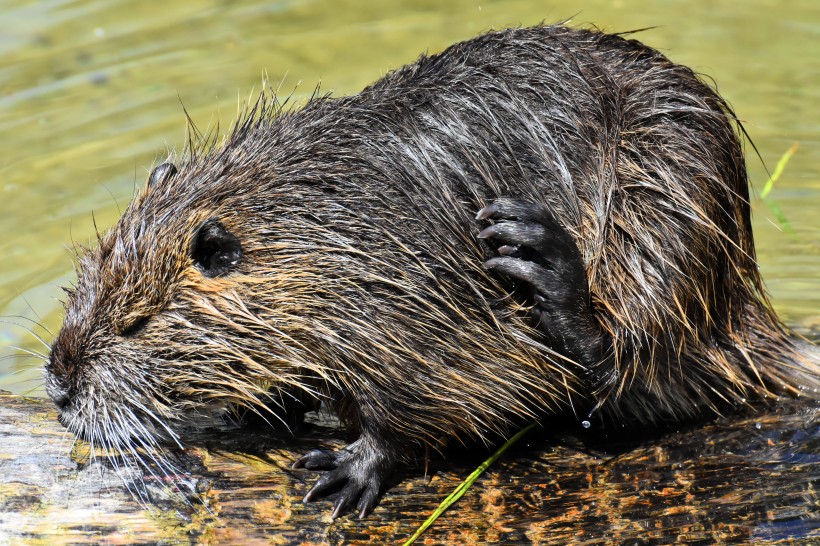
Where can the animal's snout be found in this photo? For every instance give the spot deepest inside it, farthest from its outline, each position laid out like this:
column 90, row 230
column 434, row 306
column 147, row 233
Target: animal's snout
column 59, row 395
column 58, row 370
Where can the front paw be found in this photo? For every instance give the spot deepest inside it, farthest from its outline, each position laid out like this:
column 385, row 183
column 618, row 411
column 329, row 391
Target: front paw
column 534, row 248
column 358, row 472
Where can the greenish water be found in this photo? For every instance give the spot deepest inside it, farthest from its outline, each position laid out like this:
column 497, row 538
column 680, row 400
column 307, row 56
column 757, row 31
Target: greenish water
column 90, row 97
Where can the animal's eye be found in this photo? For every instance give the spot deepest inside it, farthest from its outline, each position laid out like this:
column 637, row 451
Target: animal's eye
column 134, row 327
column 215, row 250
column 161, row 173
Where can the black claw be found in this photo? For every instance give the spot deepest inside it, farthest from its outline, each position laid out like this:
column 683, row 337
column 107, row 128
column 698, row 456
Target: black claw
column 487, row 212
column 513, row 251
column 325, row 484
column 318, row 459
column 367, row 501
column 346, row 499
column 515, row 209
column 488, row 232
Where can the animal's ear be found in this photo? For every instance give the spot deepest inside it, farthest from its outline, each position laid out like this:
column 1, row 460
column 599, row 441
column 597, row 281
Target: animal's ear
column 215, row 250
column 161, row 173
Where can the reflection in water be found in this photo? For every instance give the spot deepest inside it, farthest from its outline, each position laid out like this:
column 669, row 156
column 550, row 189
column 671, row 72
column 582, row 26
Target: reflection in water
column 91, row 95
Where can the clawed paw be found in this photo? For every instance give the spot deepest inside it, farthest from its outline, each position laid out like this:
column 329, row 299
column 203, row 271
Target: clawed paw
column 533, row 246
column 355, row 473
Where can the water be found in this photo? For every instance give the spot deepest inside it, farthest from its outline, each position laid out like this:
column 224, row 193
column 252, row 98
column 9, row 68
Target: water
column 90, row 95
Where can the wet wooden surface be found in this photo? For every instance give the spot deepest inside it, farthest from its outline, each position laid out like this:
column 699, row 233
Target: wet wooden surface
column 733, row 481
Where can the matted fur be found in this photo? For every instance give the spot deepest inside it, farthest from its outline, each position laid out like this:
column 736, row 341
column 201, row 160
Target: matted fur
column 362, row 282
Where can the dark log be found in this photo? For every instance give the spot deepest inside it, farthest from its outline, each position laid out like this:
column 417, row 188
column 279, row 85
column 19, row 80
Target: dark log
column 733, row 481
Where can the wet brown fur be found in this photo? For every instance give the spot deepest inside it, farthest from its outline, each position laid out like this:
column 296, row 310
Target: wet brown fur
column 362, row 281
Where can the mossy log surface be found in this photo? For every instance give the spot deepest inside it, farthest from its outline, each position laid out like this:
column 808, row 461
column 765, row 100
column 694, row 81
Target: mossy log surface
column 733, row 481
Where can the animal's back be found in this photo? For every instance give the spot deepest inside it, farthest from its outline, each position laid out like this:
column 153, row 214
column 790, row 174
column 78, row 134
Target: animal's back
column 637, row 158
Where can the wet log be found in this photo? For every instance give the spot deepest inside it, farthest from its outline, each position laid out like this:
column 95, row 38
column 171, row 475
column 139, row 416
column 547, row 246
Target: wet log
column 733, row 481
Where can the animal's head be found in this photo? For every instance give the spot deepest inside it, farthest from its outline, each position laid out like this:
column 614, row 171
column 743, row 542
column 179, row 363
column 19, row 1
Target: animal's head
column 196, row 303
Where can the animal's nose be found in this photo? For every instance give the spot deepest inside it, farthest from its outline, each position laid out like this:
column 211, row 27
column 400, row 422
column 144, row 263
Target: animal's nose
column 57, row 386
column 61, row 399
column 57, row 392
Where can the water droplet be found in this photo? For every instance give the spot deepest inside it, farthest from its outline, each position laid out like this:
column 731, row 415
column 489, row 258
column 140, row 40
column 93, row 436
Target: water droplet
column 586, row 424
column 758, row 426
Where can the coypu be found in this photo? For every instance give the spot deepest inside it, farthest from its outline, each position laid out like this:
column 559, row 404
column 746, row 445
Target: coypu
column 535, row 222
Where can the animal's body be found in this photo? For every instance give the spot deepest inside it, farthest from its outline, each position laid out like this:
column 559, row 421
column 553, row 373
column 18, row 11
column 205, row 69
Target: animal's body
column 537, row 223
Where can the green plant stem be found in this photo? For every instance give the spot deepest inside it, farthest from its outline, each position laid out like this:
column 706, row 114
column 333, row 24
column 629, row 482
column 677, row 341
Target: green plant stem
column 465, row 485
column 778, row 170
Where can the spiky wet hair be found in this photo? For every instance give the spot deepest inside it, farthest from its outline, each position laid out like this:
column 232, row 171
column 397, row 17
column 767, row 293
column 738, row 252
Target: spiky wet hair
column 349, row 269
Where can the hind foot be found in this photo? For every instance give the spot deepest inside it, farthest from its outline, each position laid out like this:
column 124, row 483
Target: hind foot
column 535, row 249
column 358, row 472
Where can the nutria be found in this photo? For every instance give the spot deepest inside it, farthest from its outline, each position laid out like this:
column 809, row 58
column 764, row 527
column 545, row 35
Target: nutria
column 537, row 222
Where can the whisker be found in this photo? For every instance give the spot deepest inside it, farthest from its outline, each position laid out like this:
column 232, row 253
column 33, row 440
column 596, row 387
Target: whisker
column 26, row 352
column 29, row 330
